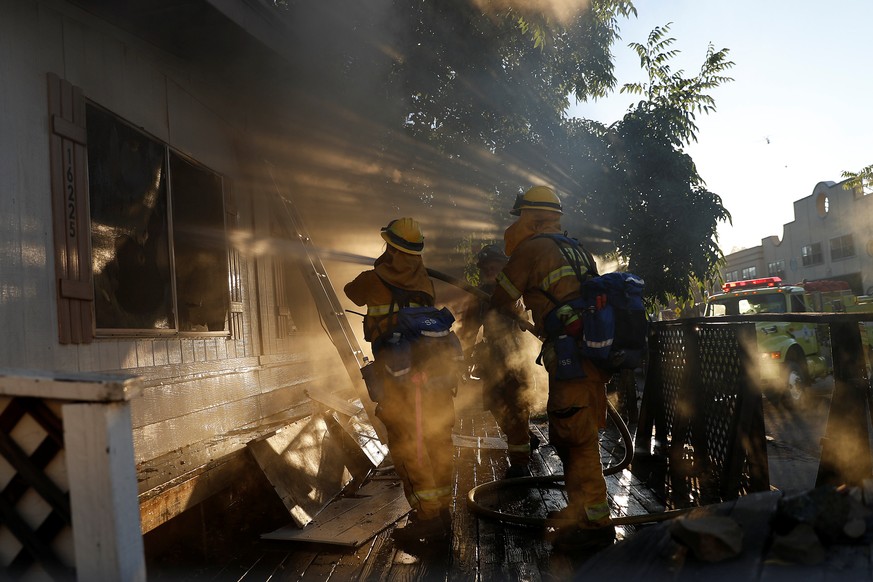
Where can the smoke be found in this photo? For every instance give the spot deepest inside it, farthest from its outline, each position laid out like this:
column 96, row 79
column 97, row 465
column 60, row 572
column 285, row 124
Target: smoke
column 559, row 10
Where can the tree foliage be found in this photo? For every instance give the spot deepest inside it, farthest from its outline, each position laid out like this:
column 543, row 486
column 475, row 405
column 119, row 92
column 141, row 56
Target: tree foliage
column 636, row 192
column 663, row 216
column 862, row 180
column 499, row 77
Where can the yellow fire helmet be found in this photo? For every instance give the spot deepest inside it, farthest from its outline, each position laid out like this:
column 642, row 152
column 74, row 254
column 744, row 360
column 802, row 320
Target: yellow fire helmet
column 537, row 198
column 404, row 234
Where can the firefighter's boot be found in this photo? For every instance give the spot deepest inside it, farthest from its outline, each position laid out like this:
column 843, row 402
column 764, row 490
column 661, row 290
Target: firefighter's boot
column 431, row 530
column 585, row 538
column 517, row 470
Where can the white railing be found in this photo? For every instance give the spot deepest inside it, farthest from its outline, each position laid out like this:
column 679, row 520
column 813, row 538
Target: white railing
column 97, row 472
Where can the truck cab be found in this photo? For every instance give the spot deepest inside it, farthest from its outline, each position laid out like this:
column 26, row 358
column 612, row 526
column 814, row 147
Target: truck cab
column 790, row 354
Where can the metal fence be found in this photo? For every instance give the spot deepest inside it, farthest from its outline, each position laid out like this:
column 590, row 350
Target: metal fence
column 700, row 437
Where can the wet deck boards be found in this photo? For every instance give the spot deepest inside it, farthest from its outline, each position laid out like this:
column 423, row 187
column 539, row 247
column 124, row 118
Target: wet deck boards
column 484, row 549
column 480, row 548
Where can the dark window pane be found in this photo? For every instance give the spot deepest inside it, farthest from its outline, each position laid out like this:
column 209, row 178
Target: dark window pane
column 199, row 247
column 130, row 248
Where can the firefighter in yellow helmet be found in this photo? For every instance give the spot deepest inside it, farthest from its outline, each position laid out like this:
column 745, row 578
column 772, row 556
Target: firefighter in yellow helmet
column 417, row 383
column 499, row 361
column 542, row 271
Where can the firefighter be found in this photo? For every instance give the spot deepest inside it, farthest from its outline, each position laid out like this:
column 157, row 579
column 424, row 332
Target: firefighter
column 416, row 404
column 537, row 269
column 498, row 361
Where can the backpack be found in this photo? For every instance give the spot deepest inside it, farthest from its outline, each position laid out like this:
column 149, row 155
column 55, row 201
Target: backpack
column 416, row 324
column 607, row 323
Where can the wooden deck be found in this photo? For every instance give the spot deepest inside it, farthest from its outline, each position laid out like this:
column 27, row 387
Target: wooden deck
column 484, row 549
column 480, row 549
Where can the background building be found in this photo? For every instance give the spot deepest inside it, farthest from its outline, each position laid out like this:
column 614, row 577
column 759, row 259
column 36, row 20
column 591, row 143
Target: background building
column 831, row 237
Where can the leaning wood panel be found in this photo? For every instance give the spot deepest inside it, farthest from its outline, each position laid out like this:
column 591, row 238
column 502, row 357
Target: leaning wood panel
column 309, row 468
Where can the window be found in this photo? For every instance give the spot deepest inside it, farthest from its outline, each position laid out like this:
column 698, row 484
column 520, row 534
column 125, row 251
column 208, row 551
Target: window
column 730, row 276
column 811, row 255
column 750, row 273
column 158, row 246
column 776, row 269
column 822, row 205
column 842, row 247
column 797, row 303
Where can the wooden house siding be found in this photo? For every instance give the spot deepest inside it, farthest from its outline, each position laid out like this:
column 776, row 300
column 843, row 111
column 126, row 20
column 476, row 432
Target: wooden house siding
column 205, row 395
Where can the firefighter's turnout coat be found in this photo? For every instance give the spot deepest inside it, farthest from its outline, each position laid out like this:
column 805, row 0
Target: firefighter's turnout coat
column 503, row 367
column 417, row 410
column 576, row 408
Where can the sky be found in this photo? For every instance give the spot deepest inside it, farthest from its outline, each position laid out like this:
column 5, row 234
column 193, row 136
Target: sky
column 798, row 112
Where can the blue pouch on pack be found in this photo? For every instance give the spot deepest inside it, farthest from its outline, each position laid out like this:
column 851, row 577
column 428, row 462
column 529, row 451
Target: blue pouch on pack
column 598, row 323
column 614, row 326
column 415, row 322
column 569, row 365
column 395, row 354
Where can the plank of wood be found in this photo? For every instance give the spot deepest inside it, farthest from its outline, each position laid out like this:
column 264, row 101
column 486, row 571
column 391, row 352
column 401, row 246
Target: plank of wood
column 379, row 559
column 623, row 500
column 465, row 525
column 474, row 442
column 105, row 514
column 351, row 521
column 70, row 386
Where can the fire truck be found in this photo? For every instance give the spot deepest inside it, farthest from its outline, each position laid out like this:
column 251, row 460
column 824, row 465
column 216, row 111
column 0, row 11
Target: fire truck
column 792, row 354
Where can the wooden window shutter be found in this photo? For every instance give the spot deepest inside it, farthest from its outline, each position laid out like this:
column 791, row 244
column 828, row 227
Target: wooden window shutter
column 71, row 217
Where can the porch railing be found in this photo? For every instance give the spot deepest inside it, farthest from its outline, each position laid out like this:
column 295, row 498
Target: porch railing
column 68, row 491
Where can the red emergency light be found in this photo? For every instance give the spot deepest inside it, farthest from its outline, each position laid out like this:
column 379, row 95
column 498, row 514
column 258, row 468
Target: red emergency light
column 751, row 284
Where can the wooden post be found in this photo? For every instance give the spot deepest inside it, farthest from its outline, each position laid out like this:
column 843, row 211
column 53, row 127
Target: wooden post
column 101, row 474
column 103, row 493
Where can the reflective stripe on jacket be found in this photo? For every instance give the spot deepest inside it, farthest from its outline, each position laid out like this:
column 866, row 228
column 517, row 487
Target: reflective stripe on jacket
column 538, row 264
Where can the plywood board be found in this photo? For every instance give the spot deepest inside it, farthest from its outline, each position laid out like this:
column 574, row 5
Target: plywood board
column 307, row 469
column 352, row 417
column 351, row 521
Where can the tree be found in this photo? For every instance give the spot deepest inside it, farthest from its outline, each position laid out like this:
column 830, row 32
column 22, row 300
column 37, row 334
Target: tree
column 663, row 218
column 862, row 180
column 496, row 78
